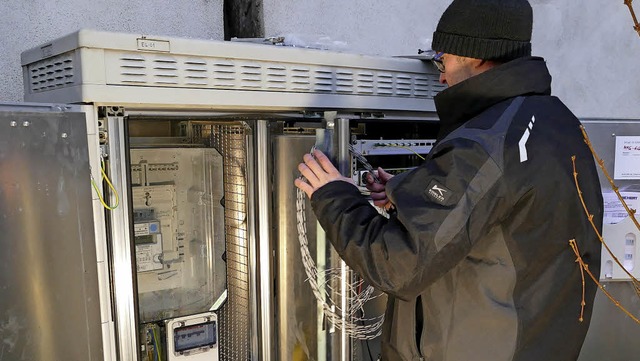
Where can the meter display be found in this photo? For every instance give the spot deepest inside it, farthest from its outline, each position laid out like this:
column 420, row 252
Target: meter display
column 148, row 241
column 196, row 336
column 193, row 338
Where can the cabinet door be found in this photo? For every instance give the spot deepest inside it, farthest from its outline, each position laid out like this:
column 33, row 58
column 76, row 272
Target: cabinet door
column 49, row 301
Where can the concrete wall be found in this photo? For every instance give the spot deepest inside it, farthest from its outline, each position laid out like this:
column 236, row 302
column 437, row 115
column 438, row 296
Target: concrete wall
column 29, row 23
column 592, row 50
column 367, row 26
column 593, row 53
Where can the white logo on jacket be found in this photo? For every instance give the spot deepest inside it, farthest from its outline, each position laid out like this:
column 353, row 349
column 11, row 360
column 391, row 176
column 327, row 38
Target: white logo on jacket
column 522, row 144
column 439, row 196
column 438, row 192
column 442, row 191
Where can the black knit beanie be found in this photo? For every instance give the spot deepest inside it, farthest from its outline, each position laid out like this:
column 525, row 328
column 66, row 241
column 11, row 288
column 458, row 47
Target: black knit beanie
column 485, row 29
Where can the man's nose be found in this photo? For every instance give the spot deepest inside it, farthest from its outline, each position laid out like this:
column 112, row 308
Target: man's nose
column 443, row 78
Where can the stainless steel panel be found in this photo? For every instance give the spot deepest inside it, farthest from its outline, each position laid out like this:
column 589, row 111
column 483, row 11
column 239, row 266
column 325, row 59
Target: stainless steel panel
column 49, row 301
column 263, row 248
column 124, row 289
column 302, row 332
column 344, row 160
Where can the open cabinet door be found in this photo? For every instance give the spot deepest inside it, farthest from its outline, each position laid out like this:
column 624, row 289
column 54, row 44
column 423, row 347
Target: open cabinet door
column 49, row 298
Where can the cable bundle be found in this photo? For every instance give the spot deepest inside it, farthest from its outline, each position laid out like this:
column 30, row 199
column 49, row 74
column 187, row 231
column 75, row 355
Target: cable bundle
column 352, row 319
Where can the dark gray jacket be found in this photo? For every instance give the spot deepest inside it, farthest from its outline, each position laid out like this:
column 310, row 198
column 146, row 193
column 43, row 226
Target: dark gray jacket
column 476, row 261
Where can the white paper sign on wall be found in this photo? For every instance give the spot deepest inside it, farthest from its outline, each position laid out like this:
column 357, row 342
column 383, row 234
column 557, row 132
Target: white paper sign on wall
column 627, row 160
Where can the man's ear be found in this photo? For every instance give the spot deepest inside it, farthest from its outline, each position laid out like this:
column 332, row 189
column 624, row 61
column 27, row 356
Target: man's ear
column 483, row 65
column 480, row 63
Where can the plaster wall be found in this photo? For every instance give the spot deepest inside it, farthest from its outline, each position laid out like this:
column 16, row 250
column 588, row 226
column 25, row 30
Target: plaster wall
column 592, row 51
column 29, row 23
column 591, row 47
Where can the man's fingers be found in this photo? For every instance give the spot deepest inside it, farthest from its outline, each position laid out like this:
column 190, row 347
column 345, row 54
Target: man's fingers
column 381, row 203
column 368, row 178
column 384, row 176
column 308, row 173
column 326, row 164
column 304, row 186
column 313, row 164
column 378, row 195
column 318, row 172
column 375, row 187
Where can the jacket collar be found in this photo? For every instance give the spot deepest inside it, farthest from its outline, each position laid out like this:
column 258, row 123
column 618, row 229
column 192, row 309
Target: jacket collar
column 461, row 102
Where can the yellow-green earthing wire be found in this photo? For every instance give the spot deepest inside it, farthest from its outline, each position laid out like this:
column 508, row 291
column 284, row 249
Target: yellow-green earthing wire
column 407, row 148
column 104, row 177
column 155, row 339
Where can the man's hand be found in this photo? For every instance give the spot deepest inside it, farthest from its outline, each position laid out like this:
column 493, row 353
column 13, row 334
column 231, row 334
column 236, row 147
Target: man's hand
column 318, row 171
column 378, row 190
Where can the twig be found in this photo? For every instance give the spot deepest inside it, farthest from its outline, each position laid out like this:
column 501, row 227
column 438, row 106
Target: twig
column 635, row 282
column 636, row 26
column 584, row 266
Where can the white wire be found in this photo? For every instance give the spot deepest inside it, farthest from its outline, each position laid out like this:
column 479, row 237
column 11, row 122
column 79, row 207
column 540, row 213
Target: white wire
column 358, row 327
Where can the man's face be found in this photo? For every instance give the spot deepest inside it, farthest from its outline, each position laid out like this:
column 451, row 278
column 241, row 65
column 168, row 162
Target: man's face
column 457, row 69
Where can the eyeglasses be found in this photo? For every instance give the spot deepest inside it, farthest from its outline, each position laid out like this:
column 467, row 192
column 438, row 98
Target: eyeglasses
column 437, row 61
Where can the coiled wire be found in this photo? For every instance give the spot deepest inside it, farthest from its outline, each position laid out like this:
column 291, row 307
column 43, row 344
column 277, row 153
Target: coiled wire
column 353, row 319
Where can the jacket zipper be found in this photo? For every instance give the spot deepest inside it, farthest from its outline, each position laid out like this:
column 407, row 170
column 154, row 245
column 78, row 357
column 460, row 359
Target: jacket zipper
column 418, row 330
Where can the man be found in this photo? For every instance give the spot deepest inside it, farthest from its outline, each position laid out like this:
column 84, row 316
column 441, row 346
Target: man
column 476, row 258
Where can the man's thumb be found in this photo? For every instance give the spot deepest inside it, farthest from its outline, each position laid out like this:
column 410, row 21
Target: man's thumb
column 384, row 176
